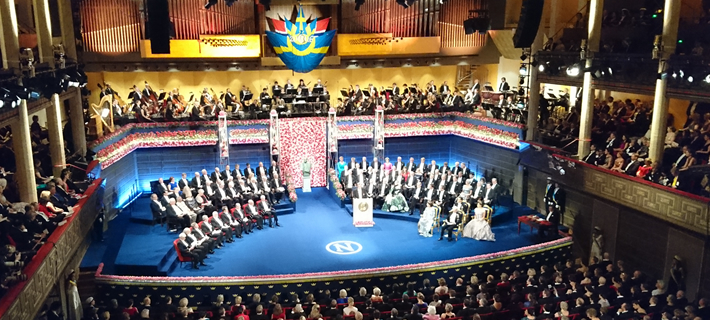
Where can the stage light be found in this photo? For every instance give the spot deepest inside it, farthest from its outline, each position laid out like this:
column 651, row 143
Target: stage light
column 358, row 3
column 534, row 63
column 523, row 70
column 522, row 80
column 573, row 70
column 707, row 78
column 523, row 57
column 541, row 68
column 690, row 79
column 680, row 40
column 210, row 3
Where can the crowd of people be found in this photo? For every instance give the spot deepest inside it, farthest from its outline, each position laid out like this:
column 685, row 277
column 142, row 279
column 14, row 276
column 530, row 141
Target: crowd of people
column 146, row 105
column 602, row 289
column 436, row 191
column 212, row 209
column 621, row 137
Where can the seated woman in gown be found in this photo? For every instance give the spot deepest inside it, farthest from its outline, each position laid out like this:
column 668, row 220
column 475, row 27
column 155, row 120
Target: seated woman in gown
column 395, row 201
column 478, row 228
column 426, row 221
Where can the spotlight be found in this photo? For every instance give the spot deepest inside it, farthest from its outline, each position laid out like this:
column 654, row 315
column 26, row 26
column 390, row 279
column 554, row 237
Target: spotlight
column 210, row 3
column 541, row 68
column 229, row 3
column 358, row 3
column 534, row 63
column 523, row 70
column 522, row 80
column 690, row 79
column 573, row 70
column 707, row 78
column 523, row 57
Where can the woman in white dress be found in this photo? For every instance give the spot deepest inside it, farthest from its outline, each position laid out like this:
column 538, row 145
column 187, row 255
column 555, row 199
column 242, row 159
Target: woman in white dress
column 478, row 228
column 426, row 221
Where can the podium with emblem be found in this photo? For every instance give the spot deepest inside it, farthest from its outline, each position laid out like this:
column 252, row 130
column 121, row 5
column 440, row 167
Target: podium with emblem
column 362, row 213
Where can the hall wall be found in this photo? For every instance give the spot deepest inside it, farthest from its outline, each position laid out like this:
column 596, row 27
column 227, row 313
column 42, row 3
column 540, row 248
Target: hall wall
column 256, row 80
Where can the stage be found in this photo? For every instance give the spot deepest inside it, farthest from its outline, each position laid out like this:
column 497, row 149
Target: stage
column 299, row 246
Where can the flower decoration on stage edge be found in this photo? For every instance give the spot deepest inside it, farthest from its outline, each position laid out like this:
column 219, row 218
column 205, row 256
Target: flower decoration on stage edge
column 181, row 138
column 292, row 196
column 291, row 189
column 340, row 193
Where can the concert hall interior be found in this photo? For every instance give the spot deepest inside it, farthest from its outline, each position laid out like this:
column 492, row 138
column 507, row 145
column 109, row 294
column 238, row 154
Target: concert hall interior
column 355, row 159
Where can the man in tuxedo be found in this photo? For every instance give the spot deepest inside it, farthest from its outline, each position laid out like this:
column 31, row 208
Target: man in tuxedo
column 157, row 208
column 253, row 213
column 633, row 165
column 216, row 175
column 375, row 164
column 222, row 197
column 248, row 171
column 277, row 187
column 358, row 192
column 503, row 86
column 449, row 225
column 237, row 173
column 429, row 195
column 240, row 218
column 161, row 187
column 364, row 164
column 196, row 182
column 476, row 85
column 395, row 89
column 444, row 87
column 383, row 190
column 210, row 231
column 431, row 168
column 183, row 182
column 410, row 184
column 488, row 194
column 175, row 214
column 218, row 224
column 266, row 188
column 591, row 158
column 274, row 169
column 187, row 250
column 358, row 93
column 348, row 181
column 268, row 211
column 204, row 238
column 192, row 239
column 553, row 217
column 318, row 84
column 276, row 90
column 227, row 173
column 289, row 85
column 417, row 197
column 264, row 95
column 352, row 165
column 496, row 191
column 230, row 101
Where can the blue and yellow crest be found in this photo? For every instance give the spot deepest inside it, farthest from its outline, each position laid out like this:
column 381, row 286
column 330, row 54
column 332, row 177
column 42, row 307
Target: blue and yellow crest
column 301, row 45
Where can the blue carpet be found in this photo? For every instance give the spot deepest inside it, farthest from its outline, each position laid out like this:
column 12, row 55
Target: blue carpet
column 299, row 245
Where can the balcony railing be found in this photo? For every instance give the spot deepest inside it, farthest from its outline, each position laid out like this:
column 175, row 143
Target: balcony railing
column 680, row 208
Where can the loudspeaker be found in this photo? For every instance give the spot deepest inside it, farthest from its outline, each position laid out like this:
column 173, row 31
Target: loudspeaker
column 530, row 15
column 481, row 25
column 159, row 26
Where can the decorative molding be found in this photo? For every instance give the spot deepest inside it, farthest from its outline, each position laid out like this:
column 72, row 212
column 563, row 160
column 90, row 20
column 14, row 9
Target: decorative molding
column 23, row 302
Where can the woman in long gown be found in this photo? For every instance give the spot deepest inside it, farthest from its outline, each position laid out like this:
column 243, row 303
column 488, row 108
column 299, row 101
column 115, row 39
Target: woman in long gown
column 478, row 228
column 395, row 201
column 426, row 221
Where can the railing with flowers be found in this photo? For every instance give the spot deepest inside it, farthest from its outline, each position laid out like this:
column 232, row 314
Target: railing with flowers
column 483, row 133
column 110, row 154
column 336, row 187
column 291, row 189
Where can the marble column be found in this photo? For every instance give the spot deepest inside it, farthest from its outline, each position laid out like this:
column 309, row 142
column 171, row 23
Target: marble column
column 22, row 146
column 9, row 42
column 671, row 16
column 56, row 140
column 587, row 110
column 43, row 26
column 78, row 130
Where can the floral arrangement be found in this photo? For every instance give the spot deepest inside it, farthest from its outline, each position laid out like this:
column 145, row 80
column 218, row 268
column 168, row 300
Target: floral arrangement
column 340, row 193
column 437, row 115
column 188, row 124
column 291, row 189
column 336, row 184
column 430, row 128
column 545, row 246
column 182, row 138
column 489, row 120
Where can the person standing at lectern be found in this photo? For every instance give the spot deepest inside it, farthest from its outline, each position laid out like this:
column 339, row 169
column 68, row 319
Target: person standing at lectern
column 306, row 171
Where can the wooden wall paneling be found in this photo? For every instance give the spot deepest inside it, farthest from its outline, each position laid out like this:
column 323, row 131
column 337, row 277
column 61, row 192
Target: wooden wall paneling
column 606, row 217
column 690, row 249
column 641, row 241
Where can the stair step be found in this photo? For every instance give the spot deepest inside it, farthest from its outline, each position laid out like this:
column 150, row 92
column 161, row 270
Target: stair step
column 283, row 211
column 167, row 263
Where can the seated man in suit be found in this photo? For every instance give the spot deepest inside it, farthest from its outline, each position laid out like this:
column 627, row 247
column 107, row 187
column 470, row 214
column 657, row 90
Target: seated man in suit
column 161, row 187
column 449, row 225
column 183, row 182
column 215, row 234
column 278, row 187
column 253, row 213
column 266, row 188
column 187, row 250
column 417, row 198
column 201, row 236
column 383, row 189
column 229, row 221
column 157, row 208
column 202, row 244
column 266, row 209
column 358, row 192
column 240, row 218
column 217, row 224
column 196, row 182
column 553, row 217
column 176, row 215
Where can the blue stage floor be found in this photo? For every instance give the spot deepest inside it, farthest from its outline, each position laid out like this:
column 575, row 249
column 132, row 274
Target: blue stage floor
column 298, row 246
